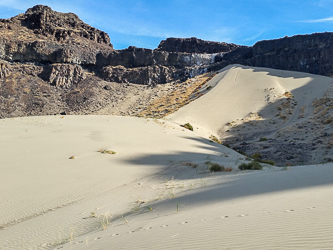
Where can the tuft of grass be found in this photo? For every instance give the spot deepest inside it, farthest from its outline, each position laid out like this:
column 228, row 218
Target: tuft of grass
column 191, row 164
column 216, row 168
column 187, row 126
column 214, row 138
column 209, row 87
column 72, row 157
column 328, row 121
column 228, row 169
column 106, row 151
column 263, row 139
column 258, row 157
column 253, row 165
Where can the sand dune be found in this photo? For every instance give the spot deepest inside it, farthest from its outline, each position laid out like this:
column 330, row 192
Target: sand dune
column 156, row 192
column 240, row 91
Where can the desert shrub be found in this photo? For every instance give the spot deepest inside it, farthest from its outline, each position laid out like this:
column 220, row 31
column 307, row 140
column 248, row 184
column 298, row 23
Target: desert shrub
column 268, row 162
column 241, row 152
column 263, row 139
column 187, row 126
column 106, row 151
column 214, row 167
column 328, row 121
column 253, row 165
column 209, row 87
column 256, row 156
column 214, row 138
column 228, row 169
column 191, row 164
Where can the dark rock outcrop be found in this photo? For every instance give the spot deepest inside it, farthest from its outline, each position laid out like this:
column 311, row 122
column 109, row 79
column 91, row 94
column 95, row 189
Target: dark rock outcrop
column 194, row 45
column 43, row 20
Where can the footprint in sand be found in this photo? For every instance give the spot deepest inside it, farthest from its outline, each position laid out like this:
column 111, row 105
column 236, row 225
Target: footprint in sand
column 311, row 207
column 113, row 235
column 148, row 228
column 183, row 223
column 97, row 238
column 224, row 217
column 289, row 211
column 165, row 226
column 78, row 242
column 243, row 215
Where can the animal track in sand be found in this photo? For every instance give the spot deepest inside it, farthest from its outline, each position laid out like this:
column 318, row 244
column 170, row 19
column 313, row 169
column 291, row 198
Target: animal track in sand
column 186, row 222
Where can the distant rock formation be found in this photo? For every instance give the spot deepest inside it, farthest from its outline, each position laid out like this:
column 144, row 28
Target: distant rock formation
column 194, row 45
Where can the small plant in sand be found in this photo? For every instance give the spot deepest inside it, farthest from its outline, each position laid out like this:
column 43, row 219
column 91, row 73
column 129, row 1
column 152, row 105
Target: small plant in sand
column 258, row 157
column 187, row 126
column 214, row 138
column 288, row 94
column 209, row 87
column 105, row 221
column 263, row 139
column 214, row 167
column 106, row 151
column 191, row 164
column 72, row 157
column 253, row 165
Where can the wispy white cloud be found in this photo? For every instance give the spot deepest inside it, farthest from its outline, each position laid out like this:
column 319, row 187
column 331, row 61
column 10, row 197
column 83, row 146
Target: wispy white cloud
column 254, row 37
column 322, row 20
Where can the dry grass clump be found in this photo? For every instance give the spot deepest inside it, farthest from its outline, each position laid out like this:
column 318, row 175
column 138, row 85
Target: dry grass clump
column 214, row 167
column 288, row 94
column 258, row 157
column 253, row 165
column 191, row 164
column 106, row 151
column 214, row 138
column 187, row 126
column 72, row 157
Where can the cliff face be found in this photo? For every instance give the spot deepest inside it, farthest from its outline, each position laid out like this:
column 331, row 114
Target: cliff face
column 194, row 45
column 51, row 62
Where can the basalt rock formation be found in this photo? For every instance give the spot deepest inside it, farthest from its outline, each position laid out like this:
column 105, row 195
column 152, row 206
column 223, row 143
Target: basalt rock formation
column 194, row 45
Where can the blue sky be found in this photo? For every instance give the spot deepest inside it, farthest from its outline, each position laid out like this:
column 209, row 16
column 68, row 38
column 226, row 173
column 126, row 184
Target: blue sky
column 144, row 23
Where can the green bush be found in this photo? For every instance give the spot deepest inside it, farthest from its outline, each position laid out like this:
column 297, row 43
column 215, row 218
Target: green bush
column 253, row 165
column 216, row 167
column 187, row 126
column 267, row 162
column 214, row 138
column 257, row 156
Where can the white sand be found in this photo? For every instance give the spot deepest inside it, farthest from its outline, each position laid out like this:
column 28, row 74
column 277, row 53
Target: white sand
column 152, row 199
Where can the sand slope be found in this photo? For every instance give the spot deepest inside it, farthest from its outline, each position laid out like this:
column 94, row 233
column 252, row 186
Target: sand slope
column 247, row 103
column 241, row 90
column 156, row 191
column 45, row 195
